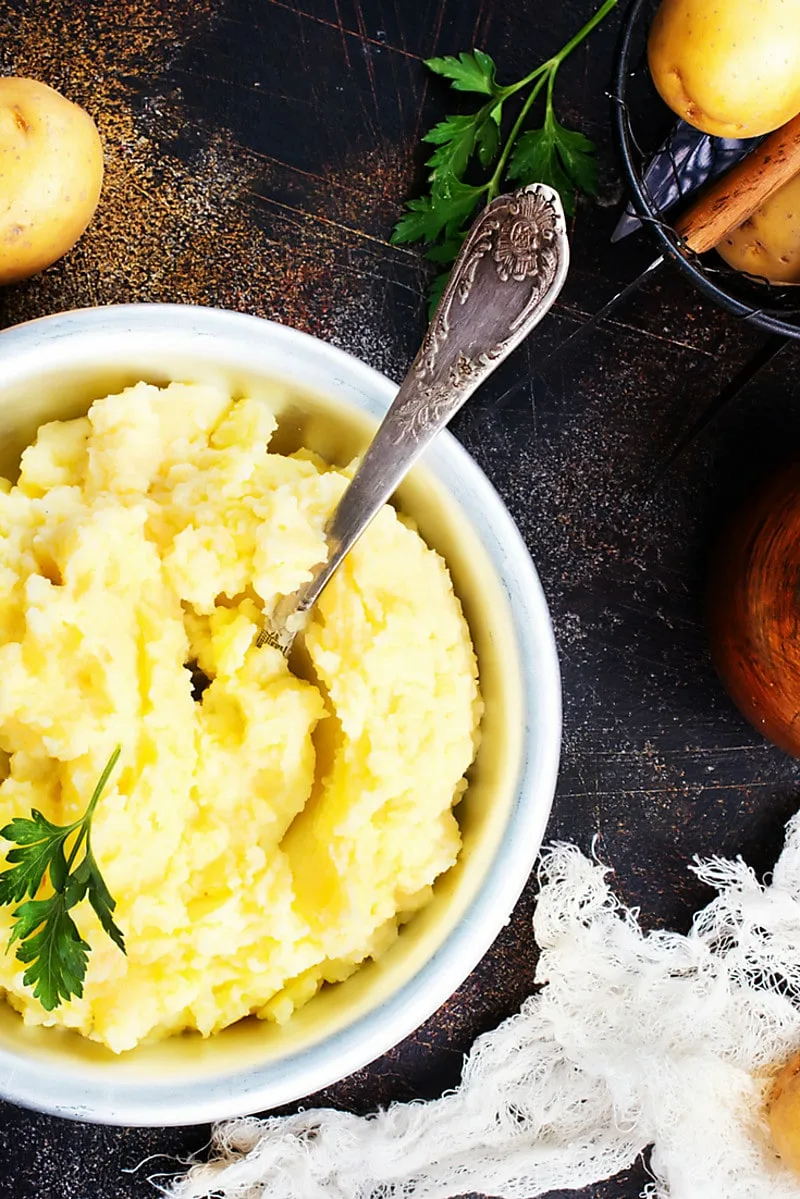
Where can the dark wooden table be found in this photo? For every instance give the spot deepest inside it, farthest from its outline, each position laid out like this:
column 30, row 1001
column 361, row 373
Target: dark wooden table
column 257, row 154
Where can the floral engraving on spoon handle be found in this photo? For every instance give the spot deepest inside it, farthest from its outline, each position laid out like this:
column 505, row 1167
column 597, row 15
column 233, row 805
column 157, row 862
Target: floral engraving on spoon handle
column 509, row 261
column 505, row 279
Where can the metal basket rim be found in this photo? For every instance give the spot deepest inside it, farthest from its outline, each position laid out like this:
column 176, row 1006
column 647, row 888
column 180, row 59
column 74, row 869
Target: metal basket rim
column 650, row 216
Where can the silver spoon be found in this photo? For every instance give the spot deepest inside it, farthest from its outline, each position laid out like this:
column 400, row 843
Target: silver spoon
column 510, row 269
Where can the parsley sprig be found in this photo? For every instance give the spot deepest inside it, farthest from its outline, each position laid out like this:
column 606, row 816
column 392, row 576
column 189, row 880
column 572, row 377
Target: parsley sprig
column 552, row 154
column 49, row 942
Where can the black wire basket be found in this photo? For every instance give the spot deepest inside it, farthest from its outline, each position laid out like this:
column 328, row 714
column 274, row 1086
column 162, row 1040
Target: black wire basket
column 642, row 121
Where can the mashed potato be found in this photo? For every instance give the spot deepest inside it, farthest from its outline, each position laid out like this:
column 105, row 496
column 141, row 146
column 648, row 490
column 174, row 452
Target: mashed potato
column 271, row 836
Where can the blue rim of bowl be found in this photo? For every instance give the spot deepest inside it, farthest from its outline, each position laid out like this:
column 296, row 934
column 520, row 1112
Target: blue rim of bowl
column 270, row 1085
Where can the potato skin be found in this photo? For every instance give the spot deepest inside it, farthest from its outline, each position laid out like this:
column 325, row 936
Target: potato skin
column 768, row 243
column 728, row 67
column 51, row 173
column 783, row 1113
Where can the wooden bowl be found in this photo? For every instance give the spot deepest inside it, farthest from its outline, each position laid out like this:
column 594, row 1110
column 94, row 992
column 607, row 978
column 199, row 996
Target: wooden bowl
column 754, row 610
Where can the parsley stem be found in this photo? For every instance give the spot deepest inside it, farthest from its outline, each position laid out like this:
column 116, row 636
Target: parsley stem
column 513, row 88
column 85, row 819
column 550, row 87
column 101, row 782
column 73, row 853
column 493, row 188
column 557, row 59
column 546, row 73
column 594, row 21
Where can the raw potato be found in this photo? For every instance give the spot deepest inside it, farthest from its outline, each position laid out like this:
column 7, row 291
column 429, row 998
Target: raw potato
column 768, row 243
column 784, row 1113
column 51, row 172
column 728, row 67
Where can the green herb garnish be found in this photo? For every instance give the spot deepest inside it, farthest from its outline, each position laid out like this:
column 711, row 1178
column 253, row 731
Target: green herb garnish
column 49, row 942
column 552, row 154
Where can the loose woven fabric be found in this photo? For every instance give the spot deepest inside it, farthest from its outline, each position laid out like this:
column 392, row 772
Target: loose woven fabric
column 634, row 1040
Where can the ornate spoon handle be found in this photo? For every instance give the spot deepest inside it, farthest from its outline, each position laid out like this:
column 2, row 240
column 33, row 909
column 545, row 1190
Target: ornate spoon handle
column 510, row 269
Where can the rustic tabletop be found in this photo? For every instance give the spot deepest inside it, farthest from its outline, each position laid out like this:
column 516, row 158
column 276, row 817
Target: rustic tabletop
column 257, row 155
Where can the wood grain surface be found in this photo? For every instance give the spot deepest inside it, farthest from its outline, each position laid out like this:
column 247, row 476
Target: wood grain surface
column 257, row 155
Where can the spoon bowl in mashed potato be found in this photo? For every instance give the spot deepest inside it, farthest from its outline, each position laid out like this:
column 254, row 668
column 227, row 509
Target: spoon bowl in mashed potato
column 305, row 864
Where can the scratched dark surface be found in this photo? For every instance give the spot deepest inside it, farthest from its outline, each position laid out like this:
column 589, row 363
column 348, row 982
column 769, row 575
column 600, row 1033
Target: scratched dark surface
column 257, row 151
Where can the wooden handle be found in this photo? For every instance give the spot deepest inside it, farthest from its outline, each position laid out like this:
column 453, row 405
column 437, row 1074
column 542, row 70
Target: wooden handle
column 729, row 201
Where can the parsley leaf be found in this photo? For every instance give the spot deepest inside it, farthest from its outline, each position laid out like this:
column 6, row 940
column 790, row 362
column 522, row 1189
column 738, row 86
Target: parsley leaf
column 49, row 943
column 450, row 203
column 487, row 139
column 446, row 252
column 101, row 901
column 577, row 157
column 416, row 222
column 455, row 141
column 56, row 954
column 454, row 203
column 473, row 72
column 536, row 158
column 560, row 156
column 39, row 841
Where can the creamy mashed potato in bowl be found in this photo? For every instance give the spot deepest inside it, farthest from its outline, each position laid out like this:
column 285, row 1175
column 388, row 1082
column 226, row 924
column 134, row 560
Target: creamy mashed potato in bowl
column 297, row 888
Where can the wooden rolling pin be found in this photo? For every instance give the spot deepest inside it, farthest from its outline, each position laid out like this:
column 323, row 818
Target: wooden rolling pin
column 730, row 200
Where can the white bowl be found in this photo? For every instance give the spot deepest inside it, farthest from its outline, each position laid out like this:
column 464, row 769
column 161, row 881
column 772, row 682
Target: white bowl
column 53, row 368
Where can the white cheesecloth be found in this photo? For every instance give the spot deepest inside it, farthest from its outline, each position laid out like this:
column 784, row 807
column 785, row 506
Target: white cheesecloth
column 634, row 1040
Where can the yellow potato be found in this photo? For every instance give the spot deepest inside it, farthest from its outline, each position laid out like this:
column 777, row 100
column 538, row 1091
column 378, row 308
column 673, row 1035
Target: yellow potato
column 768, row 243
column 247, row 871
column 783, row 1113
column 51, row 172
column 728, row 67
